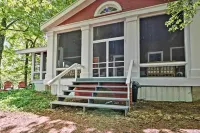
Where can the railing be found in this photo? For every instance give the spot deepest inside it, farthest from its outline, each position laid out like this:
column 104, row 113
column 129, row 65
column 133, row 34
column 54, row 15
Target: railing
column 67, row 70
column 128, row 79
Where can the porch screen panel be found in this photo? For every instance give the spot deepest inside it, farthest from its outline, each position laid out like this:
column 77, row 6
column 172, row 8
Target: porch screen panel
column 116, row 58
column 44, row 65
column 99, row 60
column 158, row 45
column 69, row 49
column 36, row 72
column 108, row 31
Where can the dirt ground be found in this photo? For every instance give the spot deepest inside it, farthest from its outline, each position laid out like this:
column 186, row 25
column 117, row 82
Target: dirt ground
column 145, row 117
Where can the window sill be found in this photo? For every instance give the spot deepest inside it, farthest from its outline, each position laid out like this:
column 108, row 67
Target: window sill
column 163, row 64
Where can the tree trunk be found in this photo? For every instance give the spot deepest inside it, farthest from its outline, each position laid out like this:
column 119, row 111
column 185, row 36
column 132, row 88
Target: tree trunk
column 2, row 40
column 26, row 67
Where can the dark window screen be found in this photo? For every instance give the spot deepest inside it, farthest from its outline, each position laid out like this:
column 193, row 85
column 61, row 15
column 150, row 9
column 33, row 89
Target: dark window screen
column 109, row 31
column 154, row 37
column 69, row 49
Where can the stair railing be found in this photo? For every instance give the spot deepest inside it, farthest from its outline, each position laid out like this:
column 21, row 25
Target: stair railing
column 128, row 79
column 67, row 70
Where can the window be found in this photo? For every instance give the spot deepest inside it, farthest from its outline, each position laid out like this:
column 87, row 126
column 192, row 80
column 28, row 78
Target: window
column 109, row 31
column 69, row 51
column 161, row 52
column 108, row 7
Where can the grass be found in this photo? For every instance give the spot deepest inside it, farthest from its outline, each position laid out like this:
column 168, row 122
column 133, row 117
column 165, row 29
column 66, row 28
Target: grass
column 25, row 100
column 145, row 115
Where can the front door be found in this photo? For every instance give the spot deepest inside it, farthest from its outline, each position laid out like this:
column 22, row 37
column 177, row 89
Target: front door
column 108, row 58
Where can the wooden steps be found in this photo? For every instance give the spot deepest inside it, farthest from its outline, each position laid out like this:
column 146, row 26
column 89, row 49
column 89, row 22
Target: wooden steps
column 88, row 105
column 93, row 86
column 93, row 98
column 95, row 90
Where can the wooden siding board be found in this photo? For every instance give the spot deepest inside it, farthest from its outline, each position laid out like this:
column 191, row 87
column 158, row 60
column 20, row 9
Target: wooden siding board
column 127, row 5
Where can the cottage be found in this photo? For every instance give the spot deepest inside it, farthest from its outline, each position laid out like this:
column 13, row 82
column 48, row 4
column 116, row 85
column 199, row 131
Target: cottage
column 96, row 47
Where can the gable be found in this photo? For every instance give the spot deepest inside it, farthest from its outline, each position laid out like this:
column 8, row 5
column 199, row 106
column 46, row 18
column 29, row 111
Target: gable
column 127, row 5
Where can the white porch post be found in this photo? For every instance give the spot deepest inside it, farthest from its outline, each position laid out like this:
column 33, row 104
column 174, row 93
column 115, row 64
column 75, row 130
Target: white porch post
column 32, row 68
column 194, row 47
column 85, row 53
column 41, row 64
column 50, row 57
column 131, row 46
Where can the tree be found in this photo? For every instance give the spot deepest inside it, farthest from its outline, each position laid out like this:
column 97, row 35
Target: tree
column 24, row 29
column 15, row 16
column 181, row 9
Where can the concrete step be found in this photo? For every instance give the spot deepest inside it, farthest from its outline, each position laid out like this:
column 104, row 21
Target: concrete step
column 88, row 105
column 93, row 98
column 95, row 86
column 103, row 92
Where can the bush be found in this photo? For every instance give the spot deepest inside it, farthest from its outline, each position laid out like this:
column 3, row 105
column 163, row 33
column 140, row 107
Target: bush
column 25, row 100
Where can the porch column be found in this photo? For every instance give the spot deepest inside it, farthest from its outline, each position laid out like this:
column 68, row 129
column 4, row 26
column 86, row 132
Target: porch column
column 131, row 46
column 50, row 57
column 194, row 47
column 41, row 64
column 85, row 53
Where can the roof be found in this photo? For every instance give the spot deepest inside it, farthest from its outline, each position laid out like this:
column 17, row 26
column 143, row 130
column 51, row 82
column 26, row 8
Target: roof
column 66, row 13
column 32, row 50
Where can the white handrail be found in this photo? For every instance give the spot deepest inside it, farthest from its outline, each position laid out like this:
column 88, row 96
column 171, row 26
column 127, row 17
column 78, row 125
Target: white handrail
column 67, row 70
column 128, row 79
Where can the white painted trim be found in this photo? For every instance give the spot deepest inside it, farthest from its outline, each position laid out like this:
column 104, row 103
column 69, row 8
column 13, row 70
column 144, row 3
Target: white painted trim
column 109, row 39
column 107, row 4
column 187, row 46
column 157, row 52
column 151, row 10
column 163, row 64
column 171, row 50
column 31, row 50
column 157, row 81
column 66, row 13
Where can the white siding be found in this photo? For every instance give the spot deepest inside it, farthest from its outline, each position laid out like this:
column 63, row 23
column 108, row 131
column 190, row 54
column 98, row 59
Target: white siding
column 172, row 94
column 39, row 87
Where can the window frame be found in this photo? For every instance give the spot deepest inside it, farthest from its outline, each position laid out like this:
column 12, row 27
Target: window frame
column 157, row 52
column 113, row 4
column 171, row 51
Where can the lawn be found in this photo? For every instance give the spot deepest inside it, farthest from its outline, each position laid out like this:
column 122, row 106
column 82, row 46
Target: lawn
column 145, row 117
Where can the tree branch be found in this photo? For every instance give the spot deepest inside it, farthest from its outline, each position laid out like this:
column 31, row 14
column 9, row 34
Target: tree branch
column 11, row 23
column 19, row 30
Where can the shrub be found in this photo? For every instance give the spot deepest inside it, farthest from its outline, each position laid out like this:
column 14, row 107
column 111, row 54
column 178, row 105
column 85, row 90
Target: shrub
column 25, row 100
